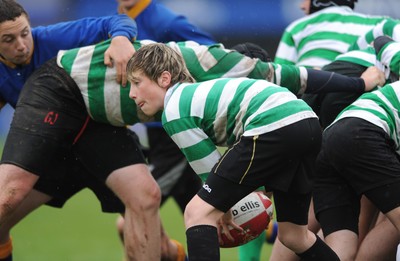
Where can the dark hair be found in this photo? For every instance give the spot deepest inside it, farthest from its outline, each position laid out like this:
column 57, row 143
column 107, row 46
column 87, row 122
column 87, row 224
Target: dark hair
column 10, row 10
column 316, row 5
column 253, row 51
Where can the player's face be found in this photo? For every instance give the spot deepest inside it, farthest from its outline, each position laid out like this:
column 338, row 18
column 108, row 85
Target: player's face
column 305, row 6
column 147, row 94
column 16, row 43
column 128, row 4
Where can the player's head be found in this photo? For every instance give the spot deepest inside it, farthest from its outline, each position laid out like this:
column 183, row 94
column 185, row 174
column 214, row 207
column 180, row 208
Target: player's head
column 16, row 43
column 253, row 51
column 152, row 70
column 125, row 5
column 311, row 6
column 156, row 58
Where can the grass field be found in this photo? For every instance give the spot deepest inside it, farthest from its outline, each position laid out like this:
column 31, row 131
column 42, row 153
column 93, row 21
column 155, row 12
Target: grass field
column 80, row 232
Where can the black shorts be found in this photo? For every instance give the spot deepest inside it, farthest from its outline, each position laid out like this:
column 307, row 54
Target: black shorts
column 79, row 178
column 51, row 123
column 328, row 105
column 356, row 158
column 282, row 161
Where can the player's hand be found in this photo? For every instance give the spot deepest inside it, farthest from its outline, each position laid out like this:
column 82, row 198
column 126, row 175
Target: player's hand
column 223, row 226
column 373, row 77
column 118, row 54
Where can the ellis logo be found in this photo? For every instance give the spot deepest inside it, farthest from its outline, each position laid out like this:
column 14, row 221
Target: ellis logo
column 246, row 207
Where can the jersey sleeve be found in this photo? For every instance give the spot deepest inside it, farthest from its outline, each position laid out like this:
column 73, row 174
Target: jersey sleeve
column 389, row 55
column 198, row 148
column 388, row 27
column 86, row 31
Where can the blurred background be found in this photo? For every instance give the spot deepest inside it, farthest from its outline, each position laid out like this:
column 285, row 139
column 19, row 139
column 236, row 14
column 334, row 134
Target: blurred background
column 229, row 21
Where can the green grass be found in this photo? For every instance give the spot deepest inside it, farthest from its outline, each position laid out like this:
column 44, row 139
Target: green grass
column 80, row 232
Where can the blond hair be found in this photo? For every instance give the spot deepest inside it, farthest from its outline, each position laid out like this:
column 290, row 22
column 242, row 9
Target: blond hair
column 156, row 58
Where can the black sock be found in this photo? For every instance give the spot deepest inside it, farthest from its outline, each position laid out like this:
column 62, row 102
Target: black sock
column 202, row 243
column 319, row 251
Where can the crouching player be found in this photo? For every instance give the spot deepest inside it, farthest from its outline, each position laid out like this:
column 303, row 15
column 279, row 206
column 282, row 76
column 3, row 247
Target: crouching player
column 273, row 140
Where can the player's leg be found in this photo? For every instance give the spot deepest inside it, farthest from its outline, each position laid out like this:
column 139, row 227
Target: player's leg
column 32, row 201
column 142, row 224
column 124, row 170
column 380, row 243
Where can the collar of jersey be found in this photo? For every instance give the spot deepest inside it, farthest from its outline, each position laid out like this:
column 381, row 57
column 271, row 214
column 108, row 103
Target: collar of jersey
column 137, row 9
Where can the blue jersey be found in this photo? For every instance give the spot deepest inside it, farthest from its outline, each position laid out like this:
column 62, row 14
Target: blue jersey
column 156, row 22
column 48, row 40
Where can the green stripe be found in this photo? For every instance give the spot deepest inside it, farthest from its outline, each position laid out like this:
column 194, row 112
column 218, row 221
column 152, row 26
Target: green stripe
column 199, row 150
column 331, row 36
column 347, row 20
column 185, row 101
column 290, row 77
column 278, row 113
column 260, row 71
column 68, row 59
column 96, row 80
column 320, row 53
column 212, row 102
column 181, row 124
column 128, row 106
column 234, row 108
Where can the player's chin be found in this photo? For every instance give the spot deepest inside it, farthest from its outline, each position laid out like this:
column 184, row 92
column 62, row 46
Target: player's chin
column 145, row 114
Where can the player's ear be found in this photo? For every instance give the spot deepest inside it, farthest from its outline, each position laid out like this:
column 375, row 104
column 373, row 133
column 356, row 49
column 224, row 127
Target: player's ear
column 165, row 79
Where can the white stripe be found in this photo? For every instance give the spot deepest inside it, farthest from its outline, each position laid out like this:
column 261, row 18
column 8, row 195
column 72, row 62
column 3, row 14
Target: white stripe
column 171, row 103
column 281, row 123
column 252, row 91
column 220, row 122
column 189, row 137
column 199, row 98
column 333, row 45
column 242, row 68
column 80, row 71
column 112, row 98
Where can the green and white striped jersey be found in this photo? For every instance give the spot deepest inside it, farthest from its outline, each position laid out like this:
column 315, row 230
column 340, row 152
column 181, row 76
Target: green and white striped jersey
column 365, row 57
column 388, row 27
column 381, row 108
column 108, row 102
column 201, row 116
column 389, row 56
column 315, row 40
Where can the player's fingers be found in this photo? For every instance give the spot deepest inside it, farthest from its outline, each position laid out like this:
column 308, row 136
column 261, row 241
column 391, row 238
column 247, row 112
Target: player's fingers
column 119, row 74
column 226, row 232
column 107, row 59
column 124, row 76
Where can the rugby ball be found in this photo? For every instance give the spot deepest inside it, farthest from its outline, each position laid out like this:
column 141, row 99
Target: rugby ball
column 253, row 213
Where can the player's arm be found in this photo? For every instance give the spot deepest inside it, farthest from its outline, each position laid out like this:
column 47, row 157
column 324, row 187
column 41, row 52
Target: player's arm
column 388, row 52
column 198, row 148
column 389, row 27
column 92, row 30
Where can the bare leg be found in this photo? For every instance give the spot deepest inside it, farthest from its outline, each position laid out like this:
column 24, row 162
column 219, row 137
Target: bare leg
column 380, row 243
column 141, row 195
column 368, row 216
column 281, row 252
column 34, row 200
column 15, row 184
column 169, row 248
column 344, row 243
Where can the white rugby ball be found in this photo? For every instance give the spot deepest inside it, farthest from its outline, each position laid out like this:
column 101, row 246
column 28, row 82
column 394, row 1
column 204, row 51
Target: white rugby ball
column 253, row 213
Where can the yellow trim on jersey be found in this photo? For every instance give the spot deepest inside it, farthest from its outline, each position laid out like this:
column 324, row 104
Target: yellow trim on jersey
column 136, row 9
